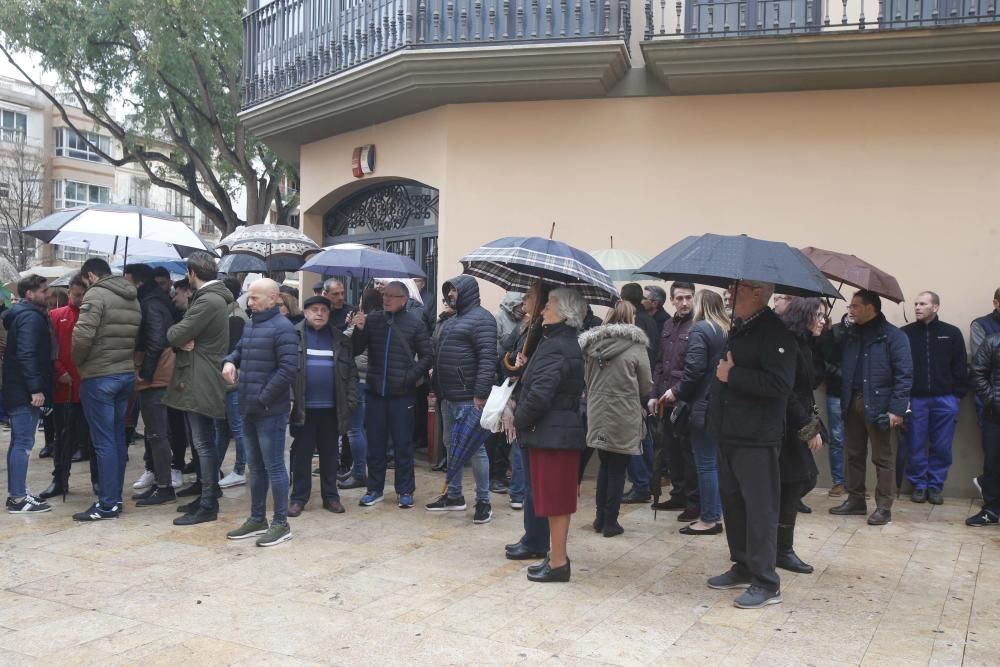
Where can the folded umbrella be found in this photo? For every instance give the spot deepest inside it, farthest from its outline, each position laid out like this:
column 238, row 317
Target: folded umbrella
column 856, row 272
column 362, row 262
column 467, row 437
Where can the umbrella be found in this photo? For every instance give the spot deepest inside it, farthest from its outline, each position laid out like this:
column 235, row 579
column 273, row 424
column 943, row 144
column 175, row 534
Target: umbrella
column 657, row 425
column 854, row 271
column 620, row 264
column 467, row 437
column 363, row 262
column 111, row 229
column 246, row 264
column 720, row 261
column 174, row 266
column 515, row 263
column 278, row 245
column 48, row 272
column 8, row 272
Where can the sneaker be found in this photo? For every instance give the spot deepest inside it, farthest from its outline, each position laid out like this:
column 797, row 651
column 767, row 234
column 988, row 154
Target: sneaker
column 145, row 480
column 446, row 504
column 983, row 519
column 484, row 512
column 516, row 504
column 27, row 505
column 276, row 534
column 919, row 496
column 344, row 475
column 160, row 495
column 198, row 516
column 97, row 513
column 232, row 479
column 142, row 495
column 731, row 579
column 406, row 501
column 352, row 482
column 934, row 497
column 250, row 528
column 496, row 486
column 756, row 597
column 176, row 478
column 370, row 499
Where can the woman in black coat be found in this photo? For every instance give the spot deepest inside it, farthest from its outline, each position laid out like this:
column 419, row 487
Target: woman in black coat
column 804, row 318
column 549, row 425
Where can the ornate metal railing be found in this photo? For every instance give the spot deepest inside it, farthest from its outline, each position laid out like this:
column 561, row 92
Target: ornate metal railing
column 288, row 44
column 745, row 18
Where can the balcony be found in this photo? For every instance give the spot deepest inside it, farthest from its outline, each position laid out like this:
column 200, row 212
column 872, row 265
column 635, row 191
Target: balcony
column 319, row 67
column 732, row 46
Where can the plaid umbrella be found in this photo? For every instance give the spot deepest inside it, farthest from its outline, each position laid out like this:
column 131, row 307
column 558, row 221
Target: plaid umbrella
column 515, row 263
column 468, row 436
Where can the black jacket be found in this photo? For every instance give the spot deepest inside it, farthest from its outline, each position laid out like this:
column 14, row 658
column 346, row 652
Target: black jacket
column 399, row 352
column 27, row 363
column 749, row 409
column 796, row 460
column 345, row 380
column 986, row 376
column 660, row 317
column 831, row 352
column 672, row 348
column 886, row 367
column 548, row 411
column 940, row 363
column 652, row 331
column 706, row 345
column 268, row 358
column 465, row 356
column 157, row 316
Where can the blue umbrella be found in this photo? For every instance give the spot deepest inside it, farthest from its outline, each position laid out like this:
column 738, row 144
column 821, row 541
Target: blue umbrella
column 363, row 262
column 175, row 266
column 712, row 259
column 468, row 436
column 246, row 264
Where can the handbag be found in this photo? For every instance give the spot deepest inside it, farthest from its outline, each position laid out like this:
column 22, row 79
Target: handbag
column 680, row 419
column 495, row 404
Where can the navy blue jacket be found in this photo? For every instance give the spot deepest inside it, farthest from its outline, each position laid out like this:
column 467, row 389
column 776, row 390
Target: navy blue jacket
column 27, row 364
column 268, row 358
column 399, row 352
column 887, row 368
column 940, row 364
column 466, row 355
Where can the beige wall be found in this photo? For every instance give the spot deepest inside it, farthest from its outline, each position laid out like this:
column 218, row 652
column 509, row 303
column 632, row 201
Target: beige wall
column 904, row 178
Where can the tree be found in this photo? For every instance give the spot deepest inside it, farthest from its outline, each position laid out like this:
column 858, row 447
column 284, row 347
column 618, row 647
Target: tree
column 156, row 73
column 22, row 175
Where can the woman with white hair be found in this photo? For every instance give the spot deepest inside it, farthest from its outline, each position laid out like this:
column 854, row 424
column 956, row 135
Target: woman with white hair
column 549, row 425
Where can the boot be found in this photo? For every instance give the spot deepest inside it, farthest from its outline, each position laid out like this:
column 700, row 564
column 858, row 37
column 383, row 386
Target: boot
column 598, row 521
column 611, row 526
column 54, row 489
column 787, row 558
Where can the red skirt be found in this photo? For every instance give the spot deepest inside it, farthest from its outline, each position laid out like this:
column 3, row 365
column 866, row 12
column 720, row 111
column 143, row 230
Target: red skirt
column 554, row 474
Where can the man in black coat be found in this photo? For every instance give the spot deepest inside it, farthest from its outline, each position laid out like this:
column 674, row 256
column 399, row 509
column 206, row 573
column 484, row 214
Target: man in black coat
column 746, row 416
column 986, row 379
column 464, row 370
column 27, row 386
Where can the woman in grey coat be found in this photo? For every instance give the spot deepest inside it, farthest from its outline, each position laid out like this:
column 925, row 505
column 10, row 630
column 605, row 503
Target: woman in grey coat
column 618, row 376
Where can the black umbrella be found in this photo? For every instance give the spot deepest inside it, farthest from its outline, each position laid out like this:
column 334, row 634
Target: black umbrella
column 720, row 261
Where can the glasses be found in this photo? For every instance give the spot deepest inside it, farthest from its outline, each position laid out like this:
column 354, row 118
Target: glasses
column 394, row 296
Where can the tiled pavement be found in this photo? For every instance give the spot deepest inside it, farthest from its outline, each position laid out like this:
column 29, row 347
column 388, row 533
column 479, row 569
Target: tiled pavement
column 388, row 586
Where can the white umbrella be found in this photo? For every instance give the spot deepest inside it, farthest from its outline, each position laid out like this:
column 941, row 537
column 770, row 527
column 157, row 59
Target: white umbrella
column 48, row 272
column 620, row 264
column 111, row 229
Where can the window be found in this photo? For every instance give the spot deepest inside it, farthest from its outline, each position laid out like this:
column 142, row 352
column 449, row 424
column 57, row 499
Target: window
column 206, row 227
column 70, row 193
column 71, row 144
column 72, row 254
column 138, row 192
column 4, row 190
column 13, row 125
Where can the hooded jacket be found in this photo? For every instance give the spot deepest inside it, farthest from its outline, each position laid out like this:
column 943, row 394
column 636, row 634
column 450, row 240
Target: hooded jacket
column 154, row 358
column 618, row 376
column 268, row 358
column 63, row 321
column 940, row 363
column 104, row 335
column 399, row 352
column 883, row 352
column 466, row 352
column 27, row 363
column 506, row 321
column 196, row 384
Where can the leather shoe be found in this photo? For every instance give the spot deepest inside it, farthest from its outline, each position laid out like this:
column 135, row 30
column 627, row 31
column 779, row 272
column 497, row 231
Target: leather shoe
column 551, row 574
column 295, row 509
column 634, row 497
column 78, row 456
column 54, row 489
column 850, row 507
column 192, row 490
column 670, row 505
column 714, row 530
column 440, row 466
column 880, row 518
column 199, row 516
column 520, row 552
column 802, row 508
column 535, row 569
column 334, row 506
column 689, row 515
column 45, row 453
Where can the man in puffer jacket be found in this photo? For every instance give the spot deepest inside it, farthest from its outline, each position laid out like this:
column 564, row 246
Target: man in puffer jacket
column 466, row 361
column 986, row 379
column 103, row 344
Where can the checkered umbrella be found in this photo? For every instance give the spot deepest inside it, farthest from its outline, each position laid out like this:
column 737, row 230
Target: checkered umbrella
column 468, row 437
column 515, row 263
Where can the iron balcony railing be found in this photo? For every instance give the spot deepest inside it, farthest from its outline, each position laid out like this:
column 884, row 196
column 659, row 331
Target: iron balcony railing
column 745, row 18
column 288, row 44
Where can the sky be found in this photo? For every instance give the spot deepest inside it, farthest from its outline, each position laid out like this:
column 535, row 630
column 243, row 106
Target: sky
column 30, row 63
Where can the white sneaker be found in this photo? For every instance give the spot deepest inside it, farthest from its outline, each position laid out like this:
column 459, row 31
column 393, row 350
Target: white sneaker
column 145, row 480
column 232, row 479
column 176, row 478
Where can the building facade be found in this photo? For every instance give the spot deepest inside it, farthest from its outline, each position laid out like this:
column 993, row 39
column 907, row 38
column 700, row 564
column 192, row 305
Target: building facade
column 862, row 128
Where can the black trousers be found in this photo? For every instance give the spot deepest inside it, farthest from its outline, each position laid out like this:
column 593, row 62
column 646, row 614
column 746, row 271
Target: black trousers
column 750, row 488
column 177, row 426
column 499, row 453
column 72, row 432
column 610, row 484
column 683, row 474
column 51, row 432
column 154, row 417
column 319, row 432
column 791, row 494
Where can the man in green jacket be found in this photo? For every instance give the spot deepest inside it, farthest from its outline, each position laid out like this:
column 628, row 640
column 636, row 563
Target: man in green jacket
column 201, row 339
column 103, row 343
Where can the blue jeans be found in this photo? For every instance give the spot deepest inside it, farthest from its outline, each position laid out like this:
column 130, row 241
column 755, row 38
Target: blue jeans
column 232, row 425
column 105, row 400
column 264, row 438
column 203, row 441
column 23, row 426
column 358, row 438
column 836, row 427
column 706, row 461
column 640, row 466
column 536, row 529
column 517, row 458
column 390, row 415
column 480, row 460
column 926, row 441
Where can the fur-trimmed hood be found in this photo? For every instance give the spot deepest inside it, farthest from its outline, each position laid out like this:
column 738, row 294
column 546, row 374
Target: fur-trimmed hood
column 609, row 340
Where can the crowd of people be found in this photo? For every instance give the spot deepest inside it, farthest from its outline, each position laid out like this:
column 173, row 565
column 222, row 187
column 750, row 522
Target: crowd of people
column 718, row 397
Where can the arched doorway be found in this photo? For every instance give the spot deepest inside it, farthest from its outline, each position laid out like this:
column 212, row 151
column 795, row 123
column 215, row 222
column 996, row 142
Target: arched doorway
column 399, row 217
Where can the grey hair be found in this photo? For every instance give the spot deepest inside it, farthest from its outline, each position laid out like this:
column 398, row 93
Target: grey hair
column 330, row 282
column 570, row 305
column 766, row 288
column 659, row 296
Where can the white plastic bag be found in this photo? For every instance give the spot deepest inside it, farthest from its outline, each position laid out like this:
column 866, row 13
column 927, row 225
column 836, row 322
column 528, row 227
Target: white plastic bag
column 493, row 410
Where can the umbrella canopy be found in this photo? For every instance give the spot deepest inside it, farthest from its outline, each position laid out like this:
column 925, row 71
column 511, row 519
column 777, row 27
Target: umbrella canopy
column 515, row 263
column 49, row 272
column 110, row 229
column 619, row 263
column 174, row 266
column 854, row 271
column 8, row 272
column 360, row 261
column 246, row 264
column 282, row 248
column 468, row 436
column 720, row 261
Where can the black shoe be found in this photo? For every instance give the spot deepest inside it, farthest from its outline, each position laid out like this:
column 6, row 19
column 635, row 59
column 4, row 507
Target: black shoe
column 192, row 490
column 598, row 524
column 46, row 452
column 880, row 518
column 142, row 495
column 634, row 497
column 551, row 574
column 78, row 456
column 97, row 513
column 496, row 486
column 919, row 495
column 733, row 578
column 850, row 507
column 714, row 530
column 54, row 489
column 520, row 552
column 787, row 559
column 316, row 472
column 612, row 529
column 535, row 569
column 445, row 504
column 440, row 466
column 189, row 508
column 200, row 516
column 689, row 515
column 353, row 482
column 160, row 495
column 670, row 505
column 802, row 508
column 756, row 597
column 189, row 469
column 934, row 497
column 344, row 475
column 484, row 513
column 983, row 519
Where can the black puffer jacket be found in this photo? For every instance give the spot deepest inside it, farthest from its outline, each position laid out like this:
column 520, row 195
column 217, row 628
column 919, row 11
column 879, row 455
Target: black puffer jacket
column 705, row 346
column 27, row 363
column 157, row 317
column 796, row 460
column 548, row 411
column 465, row 358
column 399, row 352
column 986, row 376
column 749, row 409
column 268, row 358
